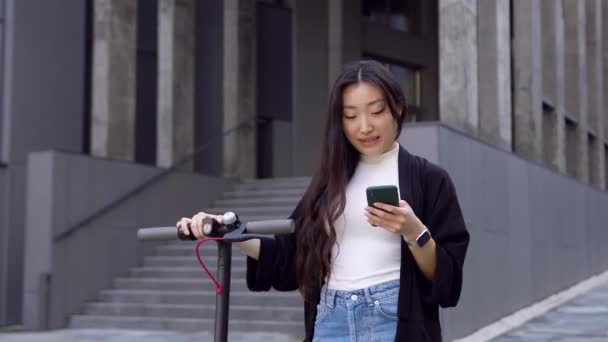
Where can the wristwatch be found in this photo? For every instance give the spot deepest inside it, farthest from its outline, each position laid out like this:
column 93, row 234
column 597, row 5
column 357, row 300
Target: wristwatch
column 421, row 240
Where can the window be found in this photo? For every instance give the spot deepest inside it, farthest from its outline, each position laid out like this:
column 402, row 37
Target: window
column 606, row 164
column 3, row 154
column 572, row 156
column 549, row 127
column 400, row 15
column 594, row 149
column 410, row 81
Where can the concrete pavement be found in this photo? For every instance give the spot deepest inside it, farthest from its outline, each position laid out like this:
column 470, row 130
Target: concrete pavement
column 584, row 318
column 97, row 335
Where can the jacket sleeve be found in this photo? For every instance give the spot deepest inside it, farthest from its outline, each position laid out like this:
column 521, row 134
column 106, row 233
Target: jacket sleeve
column 443, row 218
column 275, row 266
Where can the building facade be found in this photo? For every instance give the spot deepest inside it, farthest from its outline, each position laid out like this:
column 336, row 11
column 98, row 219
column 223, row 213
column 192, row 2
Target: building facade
column 243, row 84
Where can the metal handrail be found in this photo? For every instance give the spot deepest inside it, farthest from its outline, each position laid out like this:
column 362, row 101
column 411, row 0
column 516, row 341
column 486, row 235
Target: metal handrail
column 146, row 184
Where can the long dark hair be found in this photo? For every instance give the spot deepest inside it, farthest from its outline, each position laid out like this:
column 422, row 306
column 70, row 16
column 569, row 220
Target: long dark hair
column 325, row 198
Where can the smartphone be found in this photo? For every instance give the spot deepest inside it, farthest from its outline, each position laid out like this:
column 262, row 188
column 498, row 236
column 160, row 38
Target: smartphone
column 388, row 194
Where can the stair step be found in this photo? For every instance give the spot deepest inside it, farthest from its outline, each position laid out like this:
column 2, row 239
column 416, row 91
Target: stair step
column 258, row 202
column 200, row 297
column 189, row 284
column 183, row 324
column 245, row 217
column 171, row 291
column 273, row 211
column 192, row 261
column 264, row 193
column 271, row 186
column 278, row 180
column 238, row 312
column 183, row 272
column 179, row 249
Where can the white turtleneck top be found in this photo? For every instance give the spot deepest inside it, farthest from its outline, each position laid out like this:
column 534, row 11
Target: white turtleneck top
column 364, row 255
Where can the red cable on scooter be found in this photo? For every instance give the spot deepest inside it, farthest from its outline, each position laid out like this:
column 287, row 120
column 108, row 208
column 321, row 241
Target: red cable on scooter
column 218, row 286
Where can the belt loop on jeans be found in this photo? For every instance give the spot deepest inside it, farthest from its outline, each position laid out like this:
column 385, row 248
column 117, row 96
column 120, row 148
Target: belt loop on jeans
column 368, row 296
column 329, row 297
column 332, row 298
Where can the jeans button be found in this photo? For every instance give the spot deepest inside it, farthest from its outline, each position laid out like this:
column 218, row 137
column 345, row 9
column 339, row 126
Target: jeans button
column 354, row 297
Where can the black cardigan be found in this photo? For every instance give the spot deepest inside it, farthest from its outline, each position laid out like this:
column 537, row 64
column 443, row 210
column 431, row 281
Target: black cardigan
column 431, row 194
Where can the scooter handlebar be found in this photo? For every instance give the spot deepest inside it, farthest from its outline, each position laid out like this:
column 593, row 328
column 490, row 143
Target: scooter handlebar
column 268, row 227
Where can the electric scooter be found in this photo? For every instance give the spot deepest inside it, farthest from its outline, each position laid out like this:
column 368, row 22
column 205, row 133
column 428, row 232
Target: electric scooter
column 231, row 230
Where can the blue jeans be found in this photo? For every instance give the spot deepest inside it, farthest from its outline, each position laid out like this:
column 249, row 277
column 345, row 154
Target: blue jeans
column 368, row 314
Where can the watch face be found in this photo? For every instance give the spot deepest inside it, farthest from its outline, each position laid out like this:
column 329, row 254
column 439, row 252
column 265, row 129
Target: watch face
column 424, row 238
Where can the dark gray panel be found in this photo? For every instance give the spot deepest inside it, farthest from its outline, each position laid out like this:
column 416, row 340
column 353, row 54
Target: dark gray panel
column 492, row 187
column 45, row 97
column 541, row 237
column 456, row 158
column 274, row 62
column 42, row 102
column 38, row 235
column 518, row 219
column 421, row 140
column 310, row 83
column 147, row 85
column 274, row 85
column 14, row 243
column 208, row 98
column 108, row 180
column 3, row 242
column 597, row 233
column 351, row 31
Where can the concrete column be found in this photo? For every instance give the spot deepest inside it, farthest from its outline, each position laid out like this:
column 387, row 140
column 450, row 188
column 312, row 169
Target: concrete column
column 554, row 126
column 113, row 98
column 595, row 66
column 310, row 83
column 175, row 80
column 240, row 148
column 458, row 80
column 494, row 53
column 527, row 78
column 576, row 83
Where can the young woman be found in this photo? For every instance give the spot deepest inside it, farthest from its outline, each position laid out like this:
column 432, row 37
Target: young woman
column 366, row 273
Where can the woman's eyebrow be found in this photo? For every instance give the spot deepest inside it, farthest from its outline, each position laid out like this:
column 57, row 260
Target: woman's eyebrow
column 375, row 101
column 369, row 104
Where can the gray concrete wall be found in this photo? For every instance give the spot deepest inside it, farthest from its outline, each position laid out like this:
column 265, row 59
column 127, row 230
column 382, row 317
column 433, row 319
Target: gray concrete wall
column 533, row 231
column 3, row 238
column 494, row 64
column 65, row 188
column 42, row 100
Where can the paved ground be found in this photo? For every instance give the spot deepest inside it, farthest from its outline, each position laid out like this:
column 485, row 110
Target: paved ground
column 91, row 335
column 584, row 318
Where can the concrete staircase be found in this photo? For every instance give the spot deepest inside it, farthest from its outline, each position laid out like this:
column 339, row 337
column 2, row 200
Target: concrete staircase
column 171, row 291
